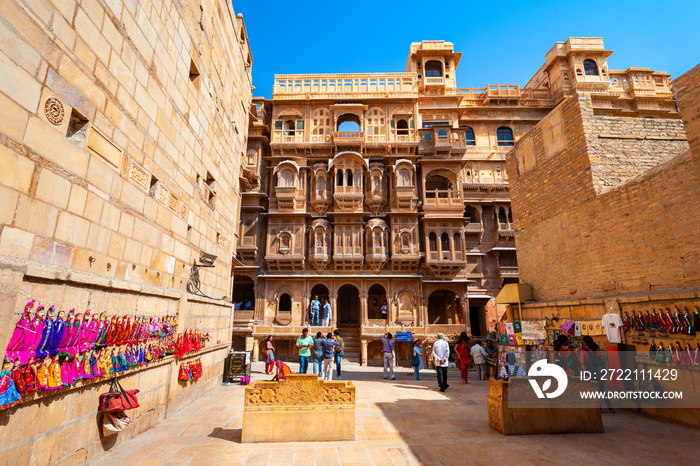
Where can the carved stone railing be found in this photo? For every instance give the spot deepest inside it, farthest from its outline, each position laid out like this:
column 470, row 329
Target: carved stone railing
column 369, row 84
column 286, row 411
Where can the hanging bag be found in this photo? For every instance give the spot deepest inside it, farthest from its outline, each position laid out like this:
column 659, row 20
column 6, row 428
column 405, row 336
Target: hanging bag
column 113, row 423
column 118, row 399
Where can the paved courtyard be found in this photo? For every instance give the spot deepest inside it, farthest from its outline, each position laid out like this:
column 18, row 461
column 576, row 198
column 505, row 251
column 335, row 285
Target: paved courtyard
column 401, row 422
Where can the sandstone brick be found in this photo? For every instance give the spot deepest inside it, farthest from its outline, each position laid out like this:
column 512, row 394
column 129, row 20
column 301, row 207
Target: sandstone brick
column 56, row 147
column 16, row 243
column 117, row 245
column 62, row 29
column 53, row 188
column 19, row 85
column 13, row 118
column 36, row 216
column 110, row 216
column 78, row 196
column 72, row 229
column 17, row 171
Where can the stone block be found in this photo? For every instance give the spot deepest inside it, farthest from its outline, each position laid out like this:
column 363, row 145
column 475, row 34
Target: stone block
column 53, row 188
column 55, row 147
column 93, row 207
column 19, row 85
column 101, row 145
column 72, row 229
column 17, row 171
column 299, row 409
column 47, row 251
column 13, row 118
column 78, row 196
column 36, row 216
column 8, row 205
column 16, row 243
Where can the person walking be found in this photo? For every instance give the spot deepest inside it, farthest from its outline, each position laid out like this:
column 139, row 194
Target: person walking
column 441, row 357
column 417, row 358
column 388, row 342
column 270, row 355
column 315, row 307
column 479, row 356
column 594, row 364
column 339, row 353
column 326, row 313
column 462, row 352
column 318, row 354
column 330, row 346
column 304, row 343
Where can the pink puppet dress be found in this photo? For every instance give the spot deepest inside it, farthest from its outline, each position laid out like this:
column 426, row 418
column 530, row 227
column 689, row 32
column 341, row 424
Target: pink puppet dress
column 20, row 333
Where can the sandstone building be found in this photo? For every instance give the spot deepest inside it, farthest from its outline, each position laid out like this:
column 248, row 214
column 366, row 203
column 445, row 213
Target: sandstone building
column 122, row 136
column 367, row 188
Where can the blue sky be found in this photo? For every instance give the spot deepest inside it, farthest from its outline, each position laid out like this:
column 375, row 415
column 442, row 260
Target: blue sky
column 501, row 42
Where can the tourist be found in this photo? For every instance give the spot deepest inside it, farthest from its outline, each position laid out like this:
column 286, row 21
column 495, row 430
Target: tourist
column 281, row 370
column 326, row 313
column 388, row 342
column 479, row 356
column 269, row 355
column 330, row 346
column 339, row 353
column 304, row 343
column 441, row 357
column 315, row 307
column 595, row 365
column 417, row 359
column 248, row 305
column 384, row 309
column 462, row 354
column 318, row 354
column 237, row 305
column 510, row 369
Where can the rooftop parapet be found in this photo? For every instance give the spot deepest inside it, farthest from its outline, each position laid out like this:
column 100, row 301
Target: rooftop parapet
column 318, row 86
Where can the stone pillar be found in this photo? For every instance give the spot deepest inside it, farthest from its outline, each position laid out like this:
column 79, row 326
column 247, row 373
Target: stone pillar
column 452, row 248
column 363, row 352
column 465, row 313
column 334, row 309
column 256, row 349
column 363, row 308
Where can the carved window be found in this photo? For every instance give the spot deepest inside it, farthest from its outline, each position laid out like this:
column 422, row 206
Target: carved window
column 321, row 121
column 339, row 182
column 458, row 245
column 432, row 237
column 321, row 184
column 376, row 184
column 405, row 242
column 286, row 178
column 442, row 134
column 375, row 122
column 504, row 136
column 590, row 68
column 402, row 128
column 285, row 303
column 289, row 128
column 433, row 69
column 404, row 177
column 470, row 137
column 445, row 245
column 348, row 177
column 285, row 242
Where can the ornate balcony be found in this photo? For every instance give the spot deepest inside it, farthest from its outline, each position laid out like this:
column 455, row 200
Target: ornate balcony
column 509, row 271
column 406, row 198
column 323, row 86
column 434, row 81
column 348, row 198
column 505, row 230
column 320, row 203
column 286, row 197
column 348, row 138
column 445, row 267
column 376, row 261
column 319, row 260
column 443, row 198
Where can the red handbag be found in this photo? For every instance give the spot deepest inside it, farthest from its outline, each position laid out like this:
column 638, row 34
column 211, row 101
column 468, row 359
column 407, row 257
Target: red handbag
column 118, row 399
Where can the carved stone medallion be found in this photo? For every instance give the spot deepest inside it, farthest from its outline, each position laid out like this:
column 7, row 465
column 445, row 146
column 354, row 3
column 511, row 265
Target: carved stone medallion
column 54, row 111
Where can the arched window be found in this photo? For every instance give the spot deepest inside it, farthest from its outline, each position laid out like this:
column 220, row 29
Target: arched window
column 319, row 240
column 289, row 128
column 442, row 134
column 322, row 121
column 471, row 214
column 405, row 242
column 458, row 244
column 510, row 216
column 285, row 242
column 404, row 177
column 445, row 242
column 505, row 136
column 433, row 241
column 402, row 128
column 348, row 176
column 590, row 68
column 428, row 137
column 433, row 69
column 348, row 122
column 502, row 216
column 438, row 182
column 285, row 304
column 376, row 184
column 375, row 121
column 286, row 179
column 339, row 182
column 469, row 136
column 321, row 184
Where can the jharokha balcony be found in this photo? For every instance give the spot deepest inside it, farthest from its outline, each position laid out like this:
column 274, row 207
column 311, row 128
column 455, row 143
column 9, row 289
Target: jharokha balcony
column 348, row 198
column 446, row 267
column 443, row 198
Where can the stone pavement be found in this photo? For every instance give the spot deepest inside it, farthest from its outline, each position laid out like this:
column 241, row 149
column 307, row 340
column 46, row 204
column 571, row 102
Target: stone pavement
column 401, row 422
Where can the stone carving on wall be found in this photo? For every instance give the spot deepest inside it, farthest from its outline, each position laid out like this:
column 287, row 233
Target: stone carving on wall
column 300, row 389
column 54, row 111
column 406, row 306
column 140, row 176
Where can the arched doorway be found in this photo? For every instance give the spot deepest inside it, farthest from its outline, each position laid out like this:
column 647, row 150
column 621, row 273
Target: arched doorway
column 321, row 291
column 442, row 307
column 348, row 305
column 375, row 298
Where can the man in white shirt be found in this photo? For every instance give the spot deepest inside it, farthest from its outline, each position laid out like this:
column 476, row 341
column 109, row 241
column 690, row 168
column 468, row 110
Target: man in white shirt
column 441, row 356
column 479, row 356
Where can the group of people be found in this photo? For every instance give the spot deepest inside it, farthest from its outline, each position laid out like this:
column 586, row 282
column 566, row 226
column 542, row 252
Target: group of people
column 322, row 351
column 465, row 354
column 315, row 310
column 238, row 305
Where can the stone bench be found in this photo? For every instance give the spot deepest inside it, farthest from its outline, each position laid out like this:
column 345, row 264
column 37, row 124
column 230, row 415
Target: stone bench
column 301, row 408
column 523, row 421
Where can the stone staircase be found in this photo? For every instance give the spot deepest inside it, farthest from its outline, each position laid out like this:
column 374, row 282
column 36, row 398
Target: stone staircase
column 351, row 340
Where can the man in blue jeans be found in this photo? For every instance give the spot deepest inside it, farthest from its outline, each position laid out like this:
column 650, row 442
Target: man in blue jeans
column 339, row 354
column 304, row 345
column 315, row 307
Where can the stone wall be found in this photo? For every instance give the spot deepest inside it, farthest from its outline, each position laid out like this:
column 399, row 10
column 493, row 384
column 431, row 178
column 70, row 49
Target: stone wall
column 584, row 227
column 688, row 96
column 122, row 134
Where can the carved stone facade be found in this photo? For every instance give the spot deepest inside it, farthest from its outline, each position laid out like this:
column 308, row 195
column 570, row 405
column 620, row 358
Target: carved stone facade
column 392, row 188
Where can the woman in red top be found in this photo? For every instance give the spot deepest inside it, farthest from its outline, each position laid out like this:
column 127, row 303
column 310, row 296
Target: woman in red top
column 463, row 362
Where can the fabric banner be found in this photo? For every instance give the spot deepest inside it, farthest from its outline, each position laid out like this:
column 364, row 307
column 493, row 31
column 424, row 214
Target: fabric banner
column 534, row 330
